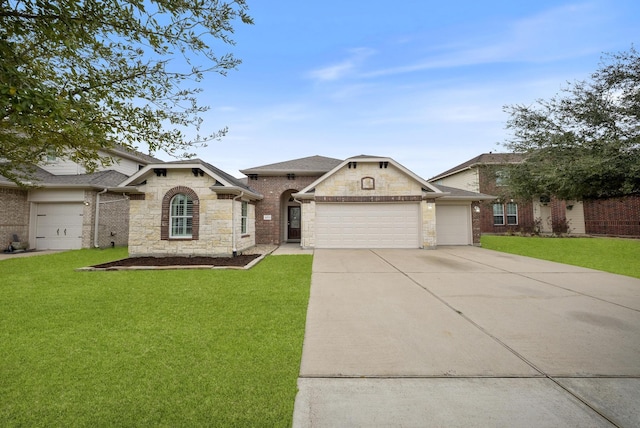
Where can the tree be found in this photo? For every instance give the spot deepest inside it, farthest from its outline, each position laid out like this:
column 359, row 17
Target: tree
column 585, row 142
column 77, row 76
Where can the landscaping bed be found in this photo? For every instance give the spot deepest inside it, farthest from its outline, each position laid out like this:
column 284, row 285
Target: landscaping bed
column 238, row 261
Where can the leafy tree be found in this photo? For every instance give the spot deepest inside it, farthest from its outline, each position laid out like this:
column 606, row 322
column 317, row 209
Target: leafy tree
column 585, row 142
column 77, row 76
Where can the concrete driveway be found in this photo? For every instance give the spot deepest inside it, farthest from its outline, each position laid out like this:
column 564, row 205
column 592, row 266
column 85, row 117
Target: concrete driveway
column 464, row 336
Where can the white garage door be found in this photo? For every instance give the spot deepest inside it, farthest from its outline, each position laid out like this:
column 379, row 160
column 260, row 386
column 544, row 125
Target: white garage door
column 453, row 225
column 365, row 225
column 59, row 226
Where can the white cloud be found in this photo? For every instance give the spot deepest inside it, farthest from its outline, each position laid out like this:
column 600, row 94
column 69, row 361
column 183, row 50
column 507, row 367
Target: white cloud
column 553, row 34
column 344, row 68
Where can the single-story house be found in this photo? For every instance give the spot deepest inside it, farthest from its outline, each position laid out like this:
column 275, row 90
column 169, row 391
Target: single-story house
column 361, row 202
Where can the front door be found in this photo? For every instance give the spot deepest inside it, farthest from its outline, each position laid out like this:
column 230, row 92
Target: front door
column 293, row 223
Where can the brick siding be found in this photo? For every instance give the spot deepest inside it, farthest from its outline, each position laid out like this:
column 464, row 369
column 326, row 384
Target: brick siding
column 614, row 216
column 113, row 223
column 272, row 188
column 487, row 185
column 14, row 216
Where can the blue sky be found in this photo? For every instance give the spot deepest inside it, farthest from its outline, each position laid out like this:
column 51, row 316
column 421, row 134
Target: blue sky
column 419, row 81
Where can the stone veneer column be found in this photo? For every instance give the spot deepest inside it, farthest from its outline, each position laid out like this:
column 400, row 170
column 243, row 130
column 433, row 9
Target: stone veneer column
column 429, row 235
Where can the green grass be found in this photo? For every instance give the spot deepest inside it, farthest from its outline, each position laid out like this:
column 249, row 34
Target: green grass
column 149, row 348
column 620, row 256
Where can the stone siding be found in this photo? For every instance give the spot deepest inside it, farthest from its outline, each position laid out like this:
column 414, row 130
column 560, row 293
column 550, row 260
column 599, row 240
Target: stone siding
column 308, row 239
column 429, row 233
column 369, row 183
column 388, row 181
column 215, row 222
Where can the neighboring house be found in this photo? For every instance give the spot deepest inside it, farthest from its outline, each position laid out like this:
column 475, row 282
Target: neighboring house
column 486, row 174
column 361, row 202
column 189, row 208
column 63, row 207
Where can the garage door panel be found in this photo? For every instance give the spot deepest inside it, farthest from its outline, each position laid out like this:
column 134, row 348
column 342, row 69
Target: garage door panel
column 59, row 226
column 453, row 224
column 367, row 226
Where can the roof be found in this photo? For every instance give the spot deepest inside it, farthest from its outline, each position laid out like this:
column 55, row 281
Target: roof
column 311, row 165
column 133, row 154
column 226, row 182
column 455, row 193
column 42, row 178
column 227, row 177
column 483, row 159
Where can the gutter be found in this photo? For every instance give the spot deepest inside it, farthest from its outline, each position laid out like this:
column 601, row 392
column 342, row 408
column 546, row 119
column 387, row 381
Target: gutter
column 235, row 190
column 233, row 222
column 97, row 218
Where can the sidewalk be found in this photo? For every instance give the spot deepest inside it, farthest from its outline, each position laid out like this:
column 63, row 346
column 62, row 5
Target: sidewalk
column 7, row 256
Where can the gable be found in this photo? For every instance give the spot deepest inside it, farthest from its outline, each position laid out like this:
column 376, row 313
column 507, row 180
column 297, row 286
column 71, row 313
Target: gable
column 466, row 179
column 368, row 179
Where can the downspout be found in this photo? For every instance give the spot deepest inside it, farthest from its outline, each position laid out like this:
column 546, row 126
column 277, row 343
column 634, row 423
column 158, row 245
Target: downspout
column 97, row 218
column 233, row 222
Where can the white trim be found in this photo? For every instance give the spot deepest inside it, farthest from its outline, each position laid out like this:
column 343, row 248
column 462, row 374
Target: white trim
column 425, row 184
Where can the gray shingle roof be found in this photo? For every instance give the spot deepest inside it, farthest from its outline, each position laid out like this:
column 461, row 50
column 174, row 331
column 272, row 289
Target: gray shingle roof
column 309, row 165
column 483, row 159
column 228, row 177
column 40, row 177
column 143, row 158
column 461, row 193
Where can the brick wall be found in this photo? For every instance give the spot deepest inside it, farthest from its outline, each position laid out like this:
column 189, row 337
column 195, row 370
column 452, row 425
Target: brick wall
column 614, row 216
column 14, row 216
column 272, row 188
column 113, row 224
column 487, row 185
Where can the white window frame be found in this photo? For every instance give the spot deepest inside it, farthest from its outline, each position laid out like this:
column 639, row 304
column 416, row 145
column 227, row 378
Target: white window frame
column 512, row 214
column 181, row 221
column 244, row 216
column 498, row 213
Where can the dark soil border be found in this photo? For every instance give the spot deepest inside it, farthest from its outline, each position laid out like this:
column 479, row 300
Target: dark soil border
column 178, row 262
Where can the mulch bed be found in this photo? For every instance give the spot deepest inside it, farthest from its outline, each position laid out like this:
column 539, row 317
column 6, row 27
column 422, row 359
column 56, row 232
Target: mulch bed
column 238, row 261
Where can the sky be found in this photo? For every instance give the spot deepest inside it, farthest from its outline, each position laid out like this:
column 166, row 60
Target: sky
column 419, row 81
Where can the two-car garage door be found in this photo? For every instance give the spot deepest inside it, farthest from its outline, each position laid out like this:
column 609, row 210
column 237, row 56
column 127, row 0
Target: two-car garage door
column 368, row 225
column 388, row 225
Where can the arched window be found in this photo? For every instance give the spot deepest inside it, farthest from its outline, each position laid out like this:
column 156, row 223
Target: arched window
column 181, row 216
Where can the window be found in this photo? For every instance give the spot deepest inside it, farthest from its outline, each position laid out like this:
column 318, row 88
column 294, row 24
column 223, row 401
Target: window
column 243, row 217
column 512, row 213
column 501, row 177
column 51, row 155
column 498, row 214
column 181, row 217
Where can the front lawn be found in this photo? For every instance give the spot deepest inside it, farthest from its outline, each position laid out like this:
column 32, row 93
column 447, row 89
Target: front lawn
column 614, row 255
column 149, row 348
